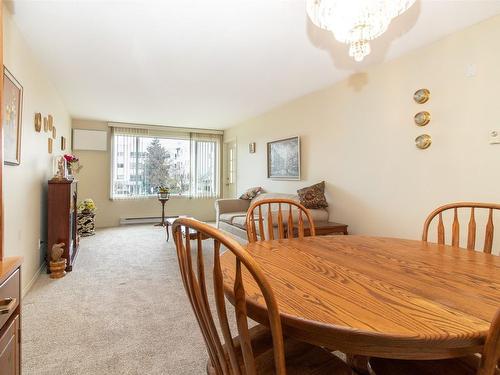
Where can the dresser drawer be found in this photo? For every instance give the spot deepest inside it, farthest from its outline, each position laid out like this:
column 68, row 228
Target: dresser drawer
column 10, row 349
column 9, row 297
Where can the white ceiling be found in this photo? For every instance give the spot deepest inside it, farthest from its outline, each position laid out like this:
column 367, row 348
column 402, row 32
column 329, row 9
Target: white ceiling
column 203, row 63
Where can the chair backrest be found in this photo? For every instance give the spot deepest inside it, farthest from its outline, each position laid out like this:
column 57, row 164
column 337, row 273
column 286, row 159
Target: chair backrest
column 491, row 352
column 455, row 229
column 221, row 350
column 283, row 216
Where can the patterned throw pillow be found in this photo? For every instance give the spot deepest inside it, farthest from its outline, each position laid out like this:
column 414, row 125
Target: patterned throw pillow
column 251, row 193
column 313, row 196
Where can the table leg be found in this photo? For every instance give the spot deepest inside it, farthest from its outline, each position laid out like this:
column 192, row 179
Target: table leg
column 162, row 223
column 358, row 363
column 166, row 228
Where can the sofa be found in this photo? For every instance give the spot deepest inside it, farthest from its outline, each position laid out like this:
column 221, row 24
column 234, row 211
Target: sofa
column 231, row 213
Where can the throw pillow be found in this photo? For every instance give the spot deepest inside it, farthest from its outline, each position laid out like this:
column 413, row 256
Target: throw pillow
column 313, row 196
column 251, row 193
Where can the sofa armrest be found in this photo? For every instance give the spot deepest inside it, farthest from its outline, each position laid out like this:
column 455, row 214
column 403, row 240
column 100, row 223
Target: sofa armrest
column 226, row 205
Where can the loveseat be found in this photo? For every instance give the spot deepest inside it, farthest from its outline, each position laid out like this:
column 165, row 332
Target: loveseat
column 231, row 213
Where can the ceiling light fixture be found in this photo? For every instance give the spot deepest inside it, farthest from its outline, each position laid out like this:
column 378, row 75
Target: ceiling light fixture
column 356, row 22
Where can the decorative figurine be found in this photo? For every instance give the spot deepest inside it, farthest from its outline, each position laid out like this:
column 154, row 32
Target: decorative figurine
column 57, row 264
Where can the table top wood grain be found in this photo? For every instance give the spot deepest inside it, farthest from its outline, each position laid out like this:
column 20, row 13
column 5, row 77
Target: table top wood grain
column 383, row 297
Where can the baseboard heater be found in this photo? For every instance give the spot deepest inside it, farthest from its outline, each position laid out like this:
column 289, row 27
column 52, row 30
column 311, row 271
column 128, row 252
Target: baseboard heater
column 139, row 220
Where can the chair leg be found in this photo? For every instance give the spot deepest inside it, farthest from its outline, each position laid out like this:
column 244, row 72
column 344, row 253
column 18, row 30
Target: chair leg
column 210, row 368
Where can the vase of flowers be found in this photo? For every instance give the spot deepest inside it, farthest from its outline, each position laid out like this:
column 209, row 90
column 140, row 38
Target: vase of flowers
column 73, row 164
column 86, row 218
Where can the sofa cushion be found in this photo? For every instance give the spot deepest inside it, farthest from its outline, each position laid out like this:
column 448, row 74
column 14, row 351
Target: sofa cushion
column 251, row 193
column 313, row 196
column 275, row 196
column 319, row 214
column 240, row 222
column 230, row 216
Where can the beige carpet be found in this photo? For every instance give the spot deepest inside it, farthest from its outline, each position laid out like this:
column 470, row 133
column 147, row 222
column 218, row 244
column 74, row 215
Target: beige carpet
column 121, row 311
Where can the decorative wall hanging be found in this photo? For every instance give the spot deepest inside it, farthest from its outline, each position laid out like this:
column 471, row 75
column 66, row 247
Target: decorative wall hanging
column 283, row 159
column 421, row 96
column 422, row 118
column 54, row 132
column 45, row 125
column 50, row 145
column 63, row 143
column 251, row 147
column 50, row 121
column 38, row 122
column 423, row 141
column 12, row 107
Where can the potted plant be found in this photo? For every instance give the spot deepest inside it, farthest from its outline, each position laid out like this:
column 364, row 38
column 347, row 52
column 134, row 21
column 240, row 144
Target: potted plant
column 163, row 192
column 86, row 217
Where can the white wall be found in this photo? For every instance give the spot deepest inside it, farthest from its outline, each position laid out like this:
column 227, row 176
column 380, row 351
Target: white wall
column 358, row 136
column 25, row 186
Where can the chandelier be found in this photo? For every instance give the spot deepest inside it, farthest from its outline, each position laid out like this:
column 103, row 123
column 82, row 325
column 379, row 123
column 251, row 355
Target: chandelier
column 356, row 22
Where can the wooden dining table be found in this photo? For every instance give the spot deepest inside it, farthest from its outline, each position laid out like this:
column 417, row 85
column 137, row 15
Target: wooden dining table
column 372, row 296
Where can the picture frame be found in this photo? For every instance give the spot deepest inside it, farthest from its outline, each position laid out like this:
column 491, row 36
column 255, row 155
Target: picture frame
column 12, row 108
column 283, row 159
column 63, row 143
column 251, row 147
column 49, row 145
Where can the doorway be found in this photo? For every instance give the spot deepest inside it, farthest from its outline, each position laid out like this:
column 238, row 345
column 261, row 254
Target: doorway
column 230, row 169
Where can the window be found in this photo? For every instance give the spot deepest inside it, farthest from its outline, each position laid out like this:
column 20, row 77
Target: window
column 187, row 163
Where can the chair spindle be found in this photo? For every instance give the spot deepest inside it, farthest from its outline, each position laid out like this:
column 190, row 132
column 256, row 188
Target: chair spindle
column 270, row 222
column 455, row 238
column 284, row 228
column 440, row 230
column 241, row 321
column 471, row 236
column 488, row 237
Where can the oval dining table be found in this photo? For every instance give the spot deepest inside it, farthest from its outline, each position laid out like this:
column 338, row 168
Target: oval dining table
column 372, row 296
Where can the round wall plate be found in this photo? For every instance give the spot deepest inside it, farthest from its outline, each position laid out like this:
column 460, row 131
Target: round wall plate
column 423, row 141
column 422, row 118
column 421, row 96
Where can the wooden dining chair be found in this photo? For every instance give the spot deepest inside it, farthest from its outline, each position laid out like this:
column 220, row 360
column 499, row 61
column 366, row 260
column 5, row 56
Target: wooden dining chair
column 256, row 350
column 281, row 210
column 485, row 364
column 455, row 228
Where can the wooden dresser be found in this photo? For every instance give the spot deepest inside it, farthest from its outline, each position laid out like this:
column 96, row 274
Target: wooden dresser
column 61, row 221
column 10, row 316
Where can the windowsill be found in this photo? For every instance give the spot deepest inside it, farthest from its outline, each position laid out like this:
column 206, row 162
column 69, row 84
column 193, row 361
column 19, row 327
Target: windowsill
column 153, row 197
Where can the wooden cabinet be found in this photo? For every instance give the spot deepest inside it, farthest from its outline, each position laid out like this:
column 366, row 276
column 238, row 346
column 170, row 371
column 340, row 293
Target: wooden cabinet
column 10, row 316
column 62, row 215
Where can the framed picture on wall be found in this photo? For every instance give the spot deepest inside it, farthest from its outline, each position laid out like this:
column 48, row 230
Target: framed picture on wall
column 12, row 107
column 283, row 159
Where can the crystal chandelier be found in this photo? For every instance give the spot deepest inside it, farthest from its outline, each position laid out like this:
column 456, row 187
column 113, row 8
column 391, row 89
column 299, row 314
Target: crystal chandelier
column 356, row 22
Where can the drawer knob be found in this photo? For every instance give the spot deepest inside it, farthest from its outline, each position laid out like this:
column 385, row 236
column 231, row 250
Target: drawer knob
column 7, row 305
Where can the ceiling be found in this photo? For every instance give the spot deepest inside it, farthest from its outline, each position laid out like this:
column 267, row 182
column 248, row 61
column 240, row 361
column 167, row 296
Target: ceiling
column 206, row 64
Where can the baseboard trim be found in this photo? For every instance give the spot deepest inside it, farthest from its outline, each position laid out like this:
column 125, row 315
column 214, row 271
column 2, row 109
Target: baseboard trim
column 27, row 288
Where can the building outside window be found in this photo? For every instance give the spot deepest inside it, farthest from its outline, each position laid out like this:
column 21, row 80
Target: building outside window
column 187, row 163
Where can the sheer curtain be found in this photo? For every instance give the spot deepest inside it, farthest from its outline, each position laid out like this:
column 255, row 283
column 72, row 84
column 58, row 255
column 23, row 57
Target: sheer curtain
column 126, row 178
column 202, row 162
column 205, row 165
